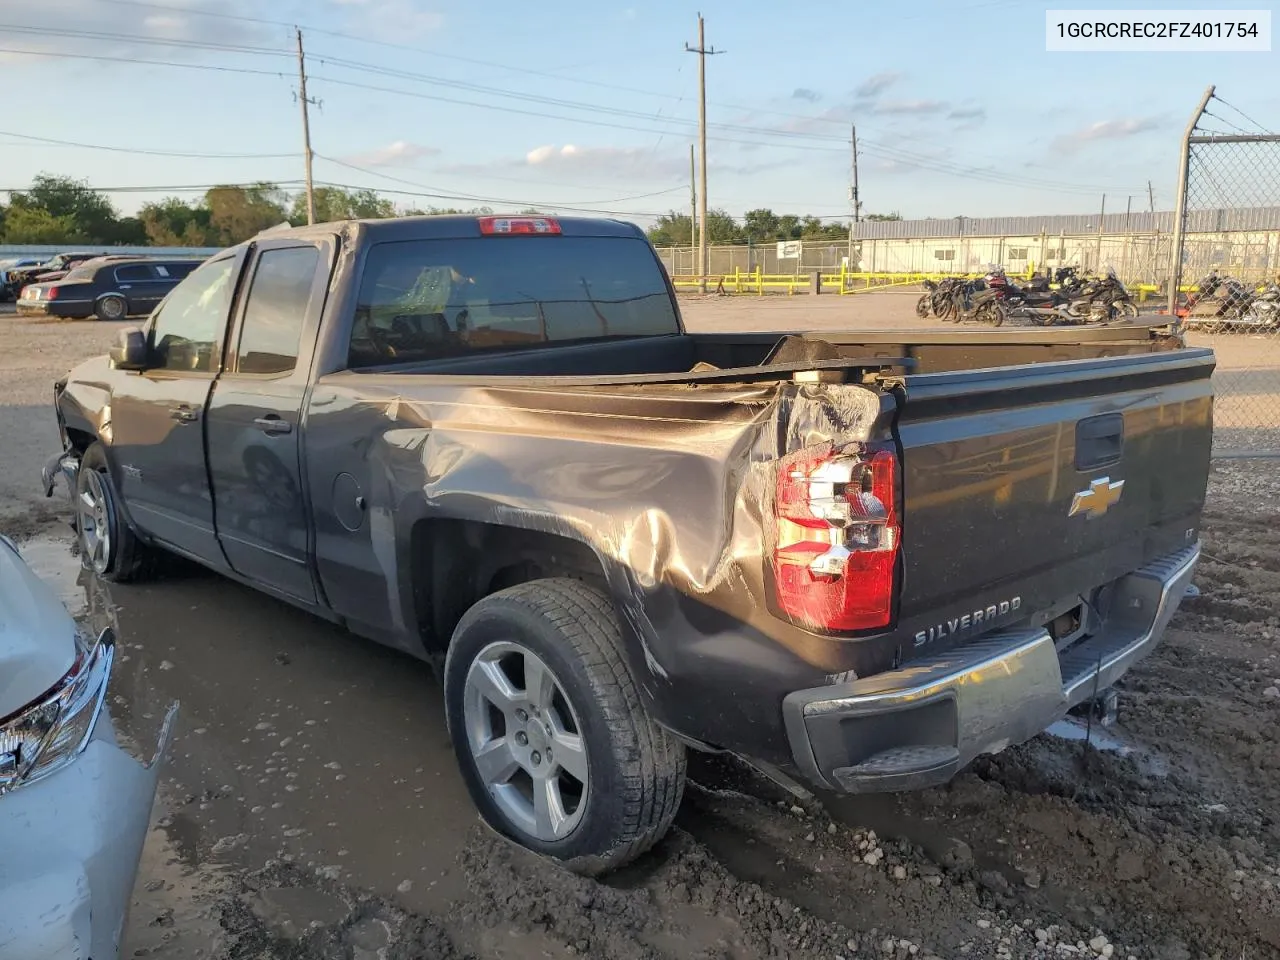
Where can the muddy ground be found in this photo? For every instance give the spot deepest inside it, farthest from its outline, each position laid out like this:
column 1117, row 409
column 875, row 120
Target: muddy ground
column 310, row 807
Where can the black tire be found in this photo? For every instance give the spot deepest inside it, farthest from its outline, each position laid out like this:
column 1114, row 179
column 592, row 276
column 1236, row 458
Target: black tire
column 111, row 308
column 123, row 558
column 636, row 768
column 1127, row 309
column 924, row 306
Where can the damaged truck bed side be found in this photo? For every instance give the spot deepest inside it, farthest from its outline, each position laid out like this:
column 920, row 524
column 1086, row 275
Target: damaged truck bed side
column 856, row 560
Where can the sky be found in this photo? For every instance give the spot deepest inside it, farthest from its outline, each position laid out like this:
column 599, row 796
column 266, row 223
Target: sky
column 580, row 107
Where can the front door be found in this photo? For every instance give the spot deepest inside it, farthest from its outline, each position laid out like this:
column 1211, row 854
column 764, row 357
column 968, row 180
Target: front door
column 254, row 418
column 157, row 415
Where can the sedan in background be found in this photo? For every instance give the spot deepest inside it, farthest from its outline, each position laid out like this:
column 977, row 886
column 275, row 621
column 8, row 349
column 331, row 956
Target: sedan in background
column 74, row 806
column 109, row 289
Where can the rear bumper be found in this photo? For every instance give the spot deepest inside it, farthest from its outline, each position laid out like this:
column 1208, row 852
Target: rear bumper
column 918, row 726
column 71, row 309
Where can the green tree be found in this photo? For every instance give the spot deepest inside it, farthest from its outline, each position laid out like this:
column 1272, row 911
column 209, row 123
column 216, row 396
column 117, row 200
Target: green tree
column 671, row 230
column 722, row 228
column 895, row 215
column 173, row 222
column 238, row 213
column 761, row 225
column 36, row 225
column 92, row 217
column 335, row 203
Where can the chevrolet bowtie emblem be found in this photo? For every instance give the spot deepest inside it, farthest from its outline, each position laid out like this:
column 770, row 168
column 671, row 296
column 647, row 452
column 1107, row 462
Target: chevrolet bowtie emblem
column 1098, row 499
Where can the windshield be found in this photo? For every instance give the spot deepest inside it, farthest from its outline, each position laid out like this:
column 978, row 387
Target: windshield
column 425, row 299
column 82, row 272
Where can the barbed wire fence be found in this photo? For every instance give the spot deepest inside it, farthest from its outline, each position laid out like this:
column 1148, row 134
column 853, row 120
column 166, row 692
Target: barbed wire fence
column 1225, row 288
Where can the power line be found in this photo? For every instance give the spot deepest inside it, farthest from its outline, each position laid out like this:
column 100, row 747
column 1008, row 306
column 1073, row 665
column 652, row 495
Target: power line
column 437, row 54
column 142, row 150
column 131, row 38
column 487, row 200
column 921, row 163
column 179, row 188
column 66, row 55
column 871, row 147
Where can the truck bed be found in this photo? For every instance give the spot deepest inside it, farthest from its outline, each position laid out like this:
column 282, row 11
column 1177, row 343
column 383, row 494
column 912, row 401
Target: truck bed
column 691, row 357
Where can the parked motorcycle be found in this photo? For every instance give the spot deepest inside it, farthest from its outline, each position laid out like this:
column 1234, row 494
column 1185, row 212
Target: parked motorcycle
column 1096, row 300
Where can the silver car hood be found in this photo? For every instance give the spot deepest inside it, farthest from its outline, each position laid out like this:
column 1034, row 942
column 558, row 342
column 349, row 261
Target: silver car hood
column 37, row 635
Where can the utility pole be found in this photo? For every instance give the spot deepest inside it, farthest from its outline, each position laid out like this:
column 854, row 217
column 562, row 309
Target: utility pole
column 1151, row 197
column 857, row 205
column 703, row 52
column 693, row 207
column 306, row 129
column 853, row 192
column 1101, row 218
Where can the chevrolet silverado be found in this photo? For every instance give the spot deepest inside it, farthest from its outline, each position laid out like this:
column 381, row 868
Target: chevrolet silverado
column 858, row 560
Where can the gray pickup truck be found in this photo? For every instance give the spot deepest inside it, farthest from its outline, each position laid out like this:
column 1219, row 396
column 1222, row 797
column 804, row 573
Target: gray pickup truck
column 856, row 560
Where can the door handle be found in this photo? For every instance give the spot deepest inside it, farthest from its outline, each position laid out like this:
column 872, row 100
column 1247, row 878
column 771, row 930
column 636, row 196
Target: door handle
column 184, row 414
column 272, row 424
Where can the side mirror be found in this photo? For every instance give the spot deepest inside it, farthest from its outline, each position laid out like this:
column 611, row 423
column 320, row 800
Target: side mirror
column 130, row 353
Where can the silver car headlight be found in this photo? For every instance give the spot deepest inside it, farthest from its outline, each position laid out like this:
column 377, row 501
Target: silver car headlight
column 46, row 735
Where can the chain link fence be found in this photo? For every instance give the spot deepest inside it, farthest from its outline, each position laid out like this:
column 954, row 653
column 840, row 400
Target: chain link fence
column 1227, row 294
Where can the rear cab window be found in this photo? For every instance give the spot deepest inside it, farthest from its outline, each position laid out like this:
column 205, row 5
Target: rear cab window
column 431, row 299
column 81, row 274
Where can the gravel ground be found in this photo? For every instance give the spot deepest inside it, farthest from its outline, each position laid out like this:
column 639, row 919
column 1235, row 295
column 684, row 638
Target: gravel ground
column 311, row 810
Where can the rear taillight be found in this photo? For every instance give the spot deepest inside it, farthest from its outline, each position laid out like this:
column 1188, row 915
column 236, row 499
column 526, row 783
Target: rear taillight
column 492, row 225
column 838, row 531
column 51, row 293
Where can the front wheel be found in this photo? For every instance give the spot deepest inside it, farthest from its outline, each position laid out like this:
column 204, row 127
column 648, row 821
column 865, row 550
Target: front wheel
column 1126, row 308
column 107, row 546
column 924, row 306
column 546, row 721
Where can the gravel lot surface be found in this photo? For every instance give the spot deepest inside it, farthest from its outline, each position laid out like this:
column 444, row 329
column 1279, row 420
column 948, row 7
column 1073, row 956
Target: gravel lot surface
column 311, row 808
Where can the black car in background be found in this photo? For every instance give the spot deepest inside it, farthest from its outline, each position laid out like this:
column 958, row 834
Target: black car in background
column 109, row 289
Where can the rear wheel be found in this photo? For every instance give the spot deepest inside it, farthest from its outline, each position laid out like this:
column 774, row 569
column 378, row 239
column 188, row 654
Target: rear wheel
column 111, row 308
column 545, row 718
column 107, row 546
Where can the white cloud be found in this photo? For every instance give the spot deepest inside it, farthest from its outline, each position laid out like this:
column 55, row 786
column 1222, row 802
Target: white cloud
column 615, row 161
column 398, row 153
column 911, row 106
column 877, row 84
column 1105, row 130
column 133, row 26
column 392, row 20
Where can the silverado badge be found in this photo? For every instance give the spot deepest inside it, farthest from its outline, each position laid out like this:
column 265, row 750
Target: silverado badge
column 1098, row 499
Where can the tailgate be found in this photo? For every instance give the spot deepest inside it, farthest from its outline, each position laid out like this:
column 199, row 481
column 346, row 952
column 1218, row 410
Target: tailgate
column 1026, row 486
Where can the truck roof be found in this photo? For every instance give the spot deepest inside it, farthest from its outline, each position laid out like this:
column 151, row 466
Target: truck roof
column 449, row 226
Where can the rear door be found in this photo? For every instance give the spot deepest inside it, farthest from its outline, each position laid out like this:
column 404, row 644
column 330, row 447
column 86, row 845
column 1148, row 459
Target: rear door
column 254, row 424
column 1025, row 487
column 141, row 286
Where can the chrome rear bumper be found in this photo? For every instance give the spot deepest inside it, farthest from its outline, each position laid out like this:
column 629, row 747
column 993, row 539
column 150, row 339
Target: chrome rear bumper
column 918, row 726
